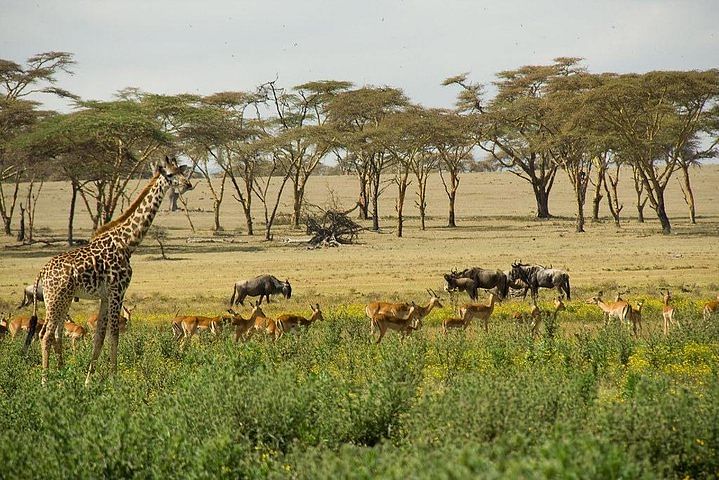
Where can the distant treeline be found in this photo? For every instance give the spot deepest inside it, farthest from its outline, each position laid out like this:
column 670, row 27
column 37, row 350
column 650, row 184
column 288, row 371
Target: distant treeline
column 542, row 120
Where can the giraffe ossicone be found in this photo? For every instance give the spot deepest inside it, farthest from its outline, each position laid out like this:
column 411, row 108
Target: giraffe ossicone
column 101, row 269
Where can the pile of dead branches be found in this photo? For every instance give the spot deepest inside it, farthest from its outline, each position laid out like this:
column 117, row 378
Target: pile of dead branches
column 331, row 229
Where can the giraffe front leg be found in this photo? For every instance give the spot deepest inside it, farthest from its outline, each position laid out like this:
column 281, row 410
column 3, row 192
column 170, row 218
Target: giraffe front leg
column 45, row 344
column 114, row 319
column 58, row 344
column 99, row 339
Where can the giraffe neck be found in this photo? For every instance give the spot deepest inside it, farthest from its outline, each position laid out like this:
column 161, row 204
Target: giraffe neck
column 131, row 231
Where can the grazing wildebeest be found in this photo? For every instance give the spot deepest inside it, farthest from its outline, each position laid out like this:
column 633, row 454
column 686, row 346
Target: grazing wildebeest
column 482, row 278
column 262, row 285
column 28, row 294
column 536, row 276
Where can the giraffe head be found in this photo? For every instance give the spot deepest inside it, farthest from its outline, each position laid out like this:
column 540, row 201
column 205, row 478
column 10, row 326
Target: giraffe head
column 177, row 175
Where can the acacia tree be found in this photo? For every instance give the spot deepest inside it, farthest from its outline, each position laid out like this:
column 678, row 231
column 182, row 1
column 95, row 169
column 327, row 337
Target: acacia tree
column 406, row 143
column 569, row 143
column 101, row 147
column 356, row 116
column 224, row 126
column 453, row 141
column 299, row 131
column 653, row 117
column 18, row 114
column 517, row 124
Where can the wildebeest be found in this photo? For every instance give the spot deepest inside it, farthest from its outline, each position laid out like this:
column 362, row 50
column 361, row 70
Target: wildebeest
column 262, row 285
column 537, row 276
column 28, row 294
column 482, row 278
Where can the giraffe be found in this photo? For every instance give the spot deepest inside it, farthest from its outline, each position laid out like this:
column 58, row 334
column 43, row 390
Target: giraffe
column 101, row 269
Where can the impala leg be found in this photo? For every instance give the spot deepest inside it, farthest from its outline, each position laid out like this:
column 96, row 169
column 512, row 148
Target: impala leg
column 382, row 331
column 99, row 338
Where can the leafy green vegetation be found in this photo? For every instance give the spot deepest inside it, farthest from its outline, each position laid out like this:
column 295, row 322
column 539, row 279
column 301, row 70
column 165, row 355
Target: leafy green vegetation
column 325, row 403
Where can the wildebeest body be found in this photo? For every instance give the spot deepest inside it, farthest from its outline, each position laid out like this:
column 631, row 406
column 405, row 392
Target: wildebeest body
column 482, row 278
column 28, row 293
column 536, row 276
column 262, row 285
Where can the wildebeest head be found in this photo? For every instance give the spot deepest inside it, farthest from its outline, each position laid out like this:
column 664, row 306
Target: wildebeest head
column 450, row 282
column 287, row 289
column 519, row 271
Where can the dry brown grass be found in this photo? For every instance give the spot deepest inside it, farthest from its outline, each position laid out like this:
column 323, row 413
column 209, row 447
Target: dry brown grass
column 496, row 227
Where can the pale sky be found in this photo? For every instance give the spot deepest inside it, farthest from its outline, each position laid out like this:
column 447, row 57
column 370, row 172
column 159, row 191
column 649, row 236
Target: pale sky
column 175, row 46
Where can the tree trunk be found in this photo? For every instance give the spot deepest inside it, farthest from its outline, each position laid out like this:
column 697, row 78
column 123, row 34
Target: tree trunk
column 363, row 201
column 639, row 188
column 71, row 216
column 298, row 196
column 451, row 221
column 664, row 218
column 216, row 210
column 580, row 209
column 248, row 221
column 688, row 194
column 21, row 230
column 597, row 198
column 375, row 211
column 400, row 219
column 542, row 199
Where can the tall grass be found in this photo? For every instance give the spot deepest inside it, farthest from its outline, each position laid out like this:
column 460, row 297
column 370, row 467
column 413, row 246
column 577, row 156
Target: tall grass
column 325, row 403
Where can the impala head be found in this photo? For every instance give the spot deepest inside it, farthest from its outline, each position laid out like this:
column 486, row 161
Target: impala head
column 596, row 299
column 559, row 304
column 316, row 313
column 256, row 311
column 127, row 312
column 434, row 299
column 178, row 176
column 640, row 304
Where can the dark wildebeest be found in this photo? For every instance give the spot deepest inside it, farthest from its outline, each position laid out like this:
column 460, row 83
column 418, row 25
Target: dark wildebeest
column 28, row 294
column 481, row 278
column 263, row 285
column 536, row 276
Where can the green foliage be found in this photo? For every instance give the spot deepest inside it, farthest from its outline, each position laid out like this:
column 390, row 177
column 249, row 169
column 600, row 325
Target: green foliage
column 326, row 403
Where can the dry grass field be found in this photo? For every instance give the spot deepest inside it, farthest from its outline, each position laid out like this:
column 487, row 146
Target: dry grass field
column 496, row 227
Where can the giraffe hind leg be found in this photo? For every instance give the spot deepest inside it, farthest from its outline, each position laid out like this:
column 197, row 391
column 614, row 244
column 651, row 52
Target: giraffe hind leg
column 99, row 339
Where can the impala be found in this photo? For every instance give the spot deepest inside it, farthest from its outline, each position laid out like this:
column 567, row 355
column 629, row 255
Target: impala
column 258, row 321
column 287, row 322
column 4, row 325
column 537, row 313
column 401, row 310
column 710, row 308
column 185, row 326
column 22, row 323
column 478, row 310
column 125, row 317
column 385, row 321
column 667, row 311
column 619, row 310
column 635, row 315
column 74, row 331
column 455, row 322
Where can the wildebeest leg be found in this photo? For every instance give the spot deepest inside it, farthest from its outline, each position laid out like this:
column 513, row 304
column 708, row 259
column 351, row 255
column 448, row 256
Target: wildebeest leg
column 567, row 290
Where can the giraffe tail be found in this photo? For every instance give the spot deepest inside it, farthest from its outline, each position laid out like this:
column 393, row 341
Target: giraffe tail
column 32, row 327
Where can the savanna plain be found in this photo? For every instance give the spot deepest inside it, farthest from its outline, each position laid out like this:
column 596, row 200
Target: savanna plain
column 580, row 400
